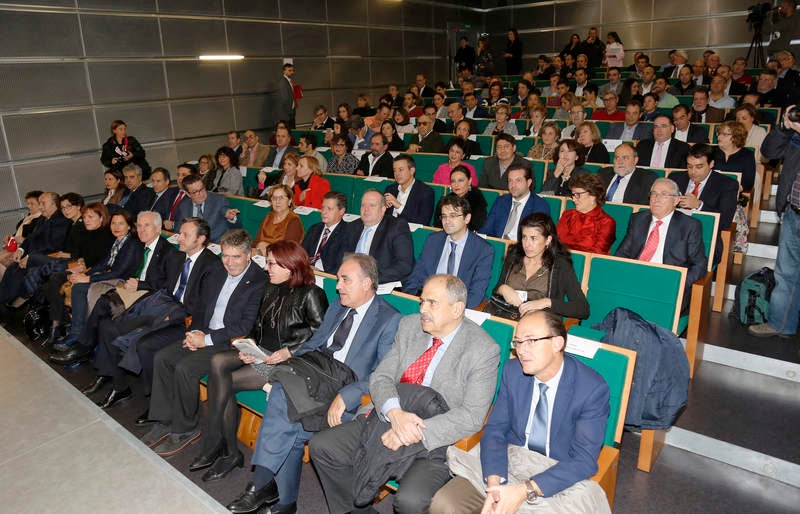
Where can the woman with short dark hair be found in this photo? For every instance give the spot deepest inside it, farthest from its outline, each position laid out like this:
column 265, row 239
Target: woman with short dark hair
column 228, row 179
column 587, row 228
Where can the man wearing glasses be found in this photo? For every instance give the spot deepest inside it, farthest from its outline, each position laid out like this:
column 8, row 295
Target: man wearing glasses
column 610, row 111
column 543, row 435
column 426, row 140
column 211, row 207
column 666, row 236
column 254, row 154
column 455, row 251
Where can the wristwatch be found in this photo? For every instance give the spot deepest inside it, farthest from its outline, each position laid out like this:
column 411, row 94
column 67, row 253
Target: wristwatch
column 530, row 493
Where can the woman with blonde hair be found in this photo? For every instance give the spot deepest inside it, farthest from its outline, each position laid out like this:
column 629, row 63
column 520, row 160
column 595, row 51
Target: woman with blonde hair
column 309, row 186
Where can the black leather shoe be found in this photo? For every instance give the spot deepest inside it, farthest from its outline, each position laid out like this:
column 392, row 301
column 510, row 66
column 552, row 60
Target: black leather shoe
column 144, row 419
column 282, row 509
column 254, row 498
column 75, row 354
column 114, row 397
column 96, row 384
column 224, row 465
column 56, row 331
column 205, row 459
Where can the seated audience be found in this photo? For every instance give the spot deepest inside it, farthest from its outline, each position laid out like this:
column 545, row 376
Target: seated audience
column 609, row 112
column 662, row 150
column 666, row 100
column 702, row 111
column 360, row 134
column 649, row 107
column 520, row 459
column 281, row 223
column 426, row 140
column 632, row 129
column 496, row 167
column 234, row 140
column 228, row 179
column 461, row 186
column 503, row 125
column 568, row 163
column 537, row 114
column 455, row 154
column 253, row 154
column 538, row 275
column 589, row 136
column 389, row 131
column 508, row 210
column 207, row 168
column 454, row 251
column 587, row 228
column 408, row 198
column 625, row 182
column 496, row 97
column 590, row 100
column 378, row 161
column 140, row 197
column 685, row 85
column 631, row 90
column 308, row 147
column 455, row 114
column 363, row 108
column 309, row 186
column 321, row 121
column 577, row 115
column 545, row 149
column 281, row 147
column 464, row 130
column 211, row 207
column 115, row 189
column 685, row 130
column 747, row 115
column 472, row 108
column 327, row 240
column 24, row 227
column 438, row 125
column 165, row 196
column 731, row 154
column 342, row 161
column 402, row 121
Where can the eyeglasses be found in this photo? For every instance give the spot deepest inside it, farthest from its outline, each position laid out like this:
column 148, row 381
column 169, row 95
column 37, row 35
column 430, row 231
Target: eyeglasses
column 279, row 197
column 516, row 343
column 423, row 123
column 251, row 136
column 445, row 217
column 724, row 134
column 656, row 194
column 577, row 194
column 195, row 192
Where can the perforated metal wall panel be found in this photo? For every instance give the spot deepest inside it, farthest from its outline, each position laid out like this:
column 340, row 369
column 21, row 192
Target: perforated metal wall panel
column 313, row 73
column 147, row 122
column 116, row 36
column 381, row 12
column 255, row 76
column 193, row 37
column 385, row 71
column 627, row 11
column 497, row 23
column 3, row 150
column 348, row 41
column 313, row 10
column 47, row 3
column 195, row 79
column 164, row 155
column 261, row 9
column 538, row 42
column 9, row 196
column 354, row 72
column 680, row 33
column 254, row 39
column 55, row 34
column 35, row 85
column 190, row 6
column 198, row 118
column 38, row 135
column 385, row 43
column 127, row 81
column 725, row 31
column 130, row 5
column 192, row 149
column 418, row 15
column 534, row 17
column 352, row 11
column 299, row 39
column 254, row 112
column 82, row 175
column 417, row 43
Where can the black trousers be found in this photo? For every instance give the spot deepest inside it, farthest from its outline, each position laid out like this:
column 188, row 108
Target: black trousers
column 332, row 452
column 176, row 374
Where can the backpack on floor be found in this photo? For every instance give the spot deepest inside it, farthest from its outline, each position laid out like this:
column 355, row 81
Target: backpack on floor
column 751, row 302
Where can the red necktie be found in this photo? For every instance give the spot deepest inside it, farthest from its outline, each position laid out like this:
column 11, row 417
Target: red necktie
column 696, row 190
column 325, row 234
column 175, row 205
column 652, row 243
column 415, row 373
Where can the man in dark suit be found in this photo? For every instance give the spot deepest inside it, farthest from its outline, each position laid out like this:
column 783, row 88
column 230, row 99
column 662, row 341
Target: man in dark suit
column 385, row 238
column 425, row 91
column 685, row 130
column 632, row 129
column 438, row 125
column 426, row 140
column 285, row 106
column 625, row 183
column 680, row 244
column 455, row 114
column 140, row 197
column 326, row 241
column 408, row 198
column 702, row 112
column 437, row 348
column 788, row 77
column 707, row 190
column 473, row 108
column 277, row 153
column 663, row 151
column 165, row 196
column 378, row 161
column 321, row 119
column 570, row 405
column 455, row 251
column 211, row 207
column 503, row 220
column 229, row 309
column 732, row 88
column 183, row 171
column 495, row 168
column 358, row 329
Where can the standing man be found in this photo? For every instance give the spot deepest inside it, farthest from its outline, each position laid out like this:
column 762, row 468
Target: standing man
column 785, row 28
column 285, row 105
column 593, row 48
column 465, row 56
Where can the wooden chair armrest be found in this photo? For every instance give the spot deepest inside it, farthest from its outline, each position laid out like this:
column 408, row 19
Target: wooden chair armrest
column 607, row 469
column 365, row 400
column 469, row 442
column 188, row 321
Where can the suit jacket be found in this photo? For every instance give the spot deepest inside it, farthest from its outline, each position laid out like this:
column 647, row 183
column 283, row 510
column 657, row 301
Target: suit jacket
column 214, row 210
column 205, row 265
column 382, row 168
column 284, row 100
column 49, row 235
column 156, row 275
column 370, row 344
column 335, row 246
column 242, row 308
column 577, row 429
column 426, row 91
column 419, row 206
column 262, row 151
column 605, row 88
column 697, row 134
column 273, row 152
column 474, row 269
column 638, row 190
column 163, row 204
column 676, row 154
column 139, row 200
column 713, row 115
column 466, row 377
column 127, row 261
column 480, row 112
column 498, row 216
column 642, row 131
column 391, row 246
column 327, row 124
column 492, row 179
column 720, row 194
column 432, row 143
column 683, row 245
column 737, row 89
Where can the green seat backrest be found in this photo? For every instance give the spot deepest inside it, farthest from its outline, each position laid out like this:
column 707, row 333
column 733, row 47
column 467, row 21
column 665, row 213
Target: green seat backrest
column 439, row 191
column 556, row 204
column 427, row 163
column 329, row 286
column 250, row 179
column 326, row 152
column 502, row 333
column 709, row 224
column 419, row 236
column 652, row 291
column 255, row 400
column 407, row 138
column 481, row 124
column 403, row 304
column 310, row 219
column 477, row 162
column 360, row 185
column 622, row 216
column 486, row 143
column 578, row 264
column 522, row 127
column 490, row 195
column 343, row 184
column 592, row 167
column 538, row 173
column 685, row 99
column 499, row 246
column 251, row 215
column 320, row 135
column 602, row 126
column 525, row 144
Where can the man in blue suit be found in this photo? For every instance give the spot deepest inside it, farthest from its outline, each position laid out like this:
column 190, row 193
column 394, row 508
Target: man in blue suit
column 455, row 251
column 508, row 210
column 211, row 207
column 408, row 198
column 358, row 328
column 549, row 405
column 165, row 196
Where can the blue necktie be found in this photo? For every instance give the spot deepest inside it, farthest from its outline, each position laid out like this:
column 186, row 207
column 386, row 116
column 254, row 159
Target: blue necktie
column 613, row 188
column 184, row 278
column 362, row 241
column 451, row 260
column 200, row 211
column 538, row 438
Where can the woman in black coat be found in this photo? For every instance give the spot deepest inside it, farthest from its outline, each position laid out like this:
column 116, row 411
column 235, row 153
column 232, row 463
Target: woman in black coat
column 513, row 53
column 121, row 149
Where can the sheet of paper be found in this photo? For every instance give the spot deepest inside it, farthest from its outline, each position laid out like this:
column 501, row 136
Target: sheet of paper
column 303, row 210
column 319, row 281
column 215, row 248
column 263, row 203
column 612, row 144
column 582, row 346
column 269, row 169
column 476, row 316
column 173, row 239
column 260, row 260
column 375, row 178
column 388, row 287
column 414, row 226
column 350, row 217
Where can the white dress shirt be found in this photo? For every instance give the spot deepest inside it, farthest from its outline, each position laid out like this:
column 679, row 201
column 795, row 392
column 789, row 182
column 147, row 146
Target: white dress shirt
column 552, row 389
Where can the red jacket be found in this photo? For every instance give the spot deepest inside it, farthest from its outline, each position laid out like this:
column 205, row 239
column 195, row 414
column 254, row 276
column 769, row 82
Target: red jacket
column 592, row 232
column 317, row 187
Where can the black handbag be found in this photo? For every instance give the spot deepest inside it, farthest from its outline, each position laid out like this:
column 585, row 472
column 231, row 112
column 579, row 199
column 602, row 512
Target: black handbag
column 497, row 306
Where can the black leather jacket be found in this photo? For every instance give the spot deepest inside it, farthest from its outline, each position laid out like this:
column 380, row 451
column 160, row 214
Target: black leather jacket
column 299, row 314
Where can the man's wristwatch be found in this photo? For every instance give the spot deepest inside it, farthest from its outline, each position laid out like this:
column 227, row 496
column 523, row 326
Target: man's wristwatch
column 530, row 493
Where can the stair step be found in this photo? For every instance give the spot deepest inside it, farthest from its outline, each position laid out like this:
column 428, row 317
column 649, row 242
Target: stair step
column 768, row 217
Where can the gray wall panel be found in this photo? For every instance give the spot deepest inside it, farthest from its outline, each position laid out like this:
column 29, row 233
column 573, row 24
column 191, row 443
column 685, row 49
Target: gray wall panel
column 255, row 76
column 305, row 110
column 147, row 123
column 9, row 196
column 64, row 132
column 497, row 22
column 192, row 79
column 192, row 149
column 345, row 96
column 55, row 34
column 142, row 81
column 193, row 119
column 579, row 13
column 417, row 44
column 47, row 3
column 106, row 36
column 3, row 149
column 537, row 42
column 301, row 39
column 267, row 9
column 82, row 175
column 348, row 41
column 385, row 43
column 353, row 72
column 163, row 155
column 633, row 36
column 382, row 12
column 35, row 85
column 193, row 37
column 312, row 10
column 253, row 112
column 254, row 38
column 628, row 10
column 666, row 10
column 312, row 73
column 386, row 72
column 441, row 47
column 727, row 30
column 729, row 5
column 417, row 15
column 534, row 17
column 352, row 11
column 130, row 5
column 190, row 6
column 675, row 34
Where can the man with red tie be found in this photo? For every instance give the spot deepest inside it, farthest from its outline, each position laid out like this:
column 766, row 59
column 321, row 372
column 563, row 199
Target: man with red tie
column 437, row 348
column 184, row 170
column 666, row 236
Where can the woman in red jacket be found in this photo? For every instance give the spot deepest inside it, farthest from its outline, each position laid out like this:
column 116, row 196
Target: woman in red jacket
column 309, row 186
column 587, row 228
